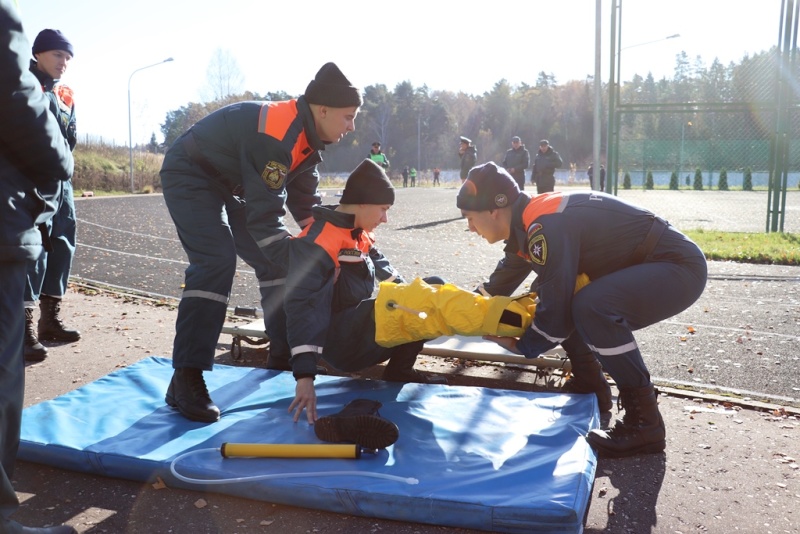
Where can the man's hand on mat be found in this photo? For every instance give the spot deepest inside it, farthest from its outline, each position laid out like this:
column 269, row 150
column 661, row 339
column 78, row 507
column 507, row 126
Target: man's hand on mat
column 304, row 397
column 508, row 343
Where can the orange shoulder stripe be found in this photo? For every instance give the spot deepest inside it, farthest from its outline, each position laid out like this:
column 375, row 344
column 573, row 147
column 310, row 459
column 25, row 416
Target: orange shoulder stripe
column 544, row 204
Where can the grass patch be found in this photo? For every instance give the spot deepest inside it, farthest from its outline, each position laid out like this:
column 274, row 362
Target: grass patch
column 773, row 248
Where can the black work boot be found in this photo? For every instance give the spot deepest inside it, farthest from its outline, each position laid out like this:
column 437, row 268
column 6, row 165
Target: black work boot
column 50, row 326
column 359, row 423
column 588, row 377
column 188, row 393
column 400, row 367
column 34, row 351
column 641, row 430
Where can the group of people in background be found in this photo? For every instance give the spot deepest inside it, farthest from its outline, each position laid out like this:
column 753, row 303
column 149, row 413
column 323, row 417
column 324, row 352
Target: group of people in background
column 228, row 182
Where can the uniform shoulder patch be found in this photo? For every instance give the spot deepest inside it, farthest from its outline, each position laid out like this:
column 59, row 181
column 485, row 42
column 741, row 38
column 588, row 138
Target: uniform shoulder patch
column 537, row 248
column 274, row 174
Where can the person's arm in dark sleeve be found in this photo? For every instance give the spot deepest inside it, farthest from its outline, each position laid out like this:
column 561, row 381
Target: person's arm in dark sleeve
column 264, row 166
column 556, row 160
column 30, row 136
column 384, row 271
column 309, row 293
column 509, row 273
column 555, row 288
column 302, row 195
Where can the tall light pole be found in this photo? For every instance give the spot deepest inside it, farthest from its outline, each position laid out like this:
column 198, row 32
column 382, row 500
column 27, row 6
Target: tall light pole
column 130, row 128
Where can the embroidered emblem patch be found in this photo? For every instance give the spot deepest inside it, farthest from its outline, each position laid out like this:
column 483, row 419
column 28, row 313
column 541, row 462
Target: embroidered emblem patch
column 500, row 200
column 532, row 229
column 537, row 249
column 274, row 174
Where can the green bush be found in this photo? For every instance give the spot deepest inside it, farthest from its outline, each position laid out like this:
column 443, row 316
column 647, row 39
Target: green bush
column 673, row 181
column 747, row 180
column 648, row 182
column 626, row 181
column 698, row 180
column 723, row 180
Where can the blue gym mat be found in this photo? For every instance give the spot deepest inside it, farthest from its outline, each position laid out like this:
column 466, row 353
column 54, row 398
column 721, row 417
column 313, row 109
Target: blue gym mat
column 480, row 458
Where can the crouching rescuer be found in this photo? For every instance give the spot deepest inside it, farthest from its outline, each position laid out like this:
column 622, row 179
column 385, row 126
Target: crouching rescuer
column 642, row 271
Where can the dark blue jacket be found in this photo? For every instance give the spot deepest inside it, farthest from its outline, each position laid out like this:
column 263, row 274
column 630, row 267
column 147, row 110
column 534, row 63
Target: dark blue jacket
column 561, row 235
column 332, row 266
column 265, row 152
column 34, row 156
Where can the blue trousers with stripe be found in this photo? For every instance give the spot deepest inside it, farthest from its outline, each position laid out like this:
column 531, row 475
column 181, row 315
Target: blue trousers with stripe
column 211, row 225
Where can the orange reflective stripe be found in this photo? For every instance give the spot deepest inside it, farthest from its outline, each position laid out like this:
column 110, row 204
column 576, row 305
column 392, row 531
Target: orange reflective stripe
column 275, row 119
column 541, row 205
column 298, row 150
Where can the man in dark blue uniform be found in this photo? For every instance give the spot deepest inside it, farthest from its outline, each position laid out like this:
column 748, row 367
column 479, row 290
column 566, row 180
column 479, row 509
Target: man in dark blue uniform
column 34, row 160
column 331, row 270
column 642, row 271
column 49, row 275
column 227, row 183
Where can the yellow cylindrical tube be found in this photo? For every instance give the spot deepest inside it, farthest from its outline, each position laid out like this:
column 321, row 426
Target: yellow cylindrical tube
column 289, row 450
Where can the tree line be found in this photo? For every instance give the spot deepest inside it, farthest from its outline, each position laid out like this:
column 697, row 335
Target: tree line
column 420, row 127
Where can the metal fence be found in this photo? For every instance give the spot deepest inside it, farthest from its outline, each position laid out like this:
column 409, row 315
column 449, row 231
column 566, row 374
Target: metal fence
column 727, row 128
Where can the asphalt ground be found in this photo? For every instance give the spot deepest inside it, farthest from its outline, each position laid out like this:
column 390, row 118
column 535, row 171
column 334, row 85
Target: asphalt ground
column 742, row 337
column 731, row 463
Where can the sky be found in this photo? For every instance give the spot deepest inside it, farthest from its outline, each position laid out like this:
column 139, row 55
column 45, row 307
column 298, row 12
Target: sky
column 446, row 45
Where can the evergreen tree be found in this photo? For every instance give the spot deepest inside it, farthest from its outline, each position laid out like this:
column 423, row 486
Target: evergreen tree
column 723, row 180
column 626, row 181
column 648, row 183
column 673, row 181
column 747, row 181
column 698, row 180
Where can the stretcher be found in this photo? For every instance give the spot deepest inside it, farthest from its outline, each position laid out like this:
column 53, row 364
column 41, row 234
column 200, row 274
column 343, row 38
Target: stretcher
column 457, row 346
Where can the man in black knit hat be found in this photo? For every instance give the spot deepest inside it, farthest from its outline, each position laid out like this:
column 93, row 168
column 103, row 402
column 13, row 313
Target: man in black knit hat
column 330, row 271
column 227, row 182
column 49, row 274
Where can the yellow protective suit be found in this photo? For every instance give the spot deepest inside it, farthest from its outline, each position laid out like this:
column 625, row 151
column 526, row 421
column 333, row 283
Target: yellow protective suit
column 419, row 311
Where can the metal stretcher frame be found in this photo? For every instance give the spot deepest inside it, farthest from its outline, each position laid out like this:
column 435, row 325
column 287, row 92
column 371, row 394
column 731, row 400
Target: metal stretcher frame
column 466, row 348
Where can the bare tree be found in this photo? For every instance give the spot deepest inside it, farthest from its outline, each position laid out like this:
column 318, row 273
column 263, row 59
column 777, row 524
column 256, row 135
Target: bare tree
column 223, row 76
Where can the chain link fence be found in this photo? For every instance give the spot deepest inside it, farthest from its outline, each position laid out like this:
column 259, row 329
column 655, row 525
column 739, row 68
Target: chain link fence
column 733, row 128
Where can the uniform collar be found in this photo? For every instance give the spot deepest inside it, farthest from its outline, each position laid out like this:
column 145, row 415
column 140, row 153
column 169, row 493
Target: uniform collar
column 47, row 82
column 308, row 124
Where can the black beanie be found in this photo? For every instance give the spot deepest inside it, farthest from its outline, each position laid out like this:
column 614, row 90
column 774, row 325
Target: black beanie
column 51, row 40
column 330, row 88
column 368, row 184
column 487, row 187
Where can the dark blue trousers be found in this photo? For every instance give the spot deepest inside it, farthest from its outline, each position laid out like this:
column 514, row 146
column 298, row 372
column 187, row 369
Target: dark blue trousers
column 212, row 228
column 49, row 275
column 12, row 383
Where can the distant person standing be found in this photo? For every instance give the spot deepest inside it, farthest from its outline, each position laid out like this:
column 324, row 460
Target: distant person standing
column 590, row 173
column 469, row 156
column 48, row 276
column 379, row 157
column 544, row 168
column 517, row 160
column 405, row 176
column 412, row 175
column 436, row 173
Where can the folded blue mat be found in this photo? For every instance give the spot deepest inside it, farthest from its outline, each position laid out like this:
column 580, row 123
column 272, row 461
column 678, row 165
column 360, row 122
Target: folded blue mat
column 480, row 458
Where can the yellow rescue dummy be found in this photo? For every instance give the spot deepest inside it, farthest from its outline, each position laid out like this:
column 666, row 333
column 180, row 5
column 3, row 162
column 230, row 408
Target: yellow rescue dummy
column 417, row 311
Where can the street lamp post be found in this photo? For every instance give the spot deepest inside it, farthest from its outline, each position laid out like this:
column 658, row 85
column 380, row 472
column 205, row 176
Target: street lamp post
column 130, row 128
